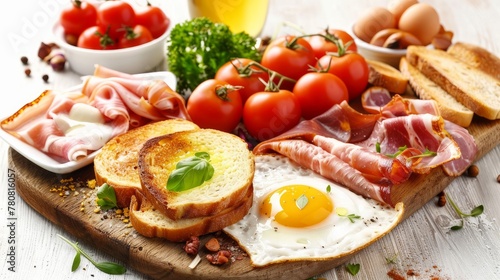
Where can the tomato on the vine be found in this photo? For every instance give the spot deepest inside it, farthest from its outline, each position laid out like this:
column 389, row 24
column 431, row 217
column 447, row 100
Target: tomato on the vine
column 96, row 38
column 114, row 16
column 237, row 72
column 351, row 68
column 79, row 16
column 319, row 91
column 267, row 114
column 215, row 104
column 153, row 18
column 321, row 46
column 134, row 37
column 290, row 56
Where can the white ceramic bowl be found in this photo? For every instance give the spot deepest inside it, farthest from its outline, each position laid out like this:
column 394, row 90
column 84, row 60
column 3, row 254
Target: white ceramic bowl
column 138, row 59
column 372, row 52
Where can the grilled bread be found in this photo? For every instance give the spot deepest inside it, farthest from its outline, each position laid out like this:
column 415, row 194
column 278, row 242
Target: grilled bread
column 386, row 76
column 474, row 88
column 477, row 57
column 116, row 163
column 230, row 157
column 424, row 88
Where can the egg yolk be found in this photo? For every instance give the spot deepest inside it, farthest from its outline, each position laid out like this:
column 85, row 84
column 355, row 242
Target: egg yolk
column 297, row 206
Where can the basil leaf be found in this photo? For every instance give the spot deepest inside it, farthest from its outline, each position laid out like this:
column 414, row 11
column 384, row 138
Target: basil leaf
column 190, row 173
column 106, row 197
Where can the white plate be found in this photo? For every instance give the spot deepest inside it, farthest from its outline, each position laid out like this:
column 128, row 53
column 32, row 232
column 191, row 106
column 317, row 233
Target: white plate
column 43, row 160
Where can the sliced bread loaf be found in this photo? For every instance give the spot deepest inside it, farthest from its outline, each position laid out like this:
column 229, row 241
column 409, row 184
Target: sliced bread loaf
column 477, row 57
column 424, row 88
column 386, row 76
column 150, row 222
column 472, row 87
column 116, row 163
column 233, row 165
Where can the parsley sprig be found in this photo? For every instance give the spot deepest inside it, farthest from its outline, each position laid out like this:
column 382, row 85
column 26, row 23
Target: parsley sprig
column 106, row 267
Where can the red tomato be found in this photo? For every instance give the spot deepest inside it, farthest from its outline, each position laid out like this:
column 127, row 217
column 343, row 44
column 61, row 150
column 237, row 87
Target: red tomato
column 351, row 68
column 215, row 104
column 134, row 37
column 289, row 56
column 236, row 73
column 79, row 16
column 114, row 16
column 318, row 91
column 321, row 45
column 153, row 18
column 96, row 38
column 267, row 114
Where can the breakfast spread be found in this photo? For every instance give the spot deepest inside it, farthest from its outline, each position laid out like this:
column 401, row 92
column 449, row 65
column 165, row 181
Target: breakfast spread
column 318, row 189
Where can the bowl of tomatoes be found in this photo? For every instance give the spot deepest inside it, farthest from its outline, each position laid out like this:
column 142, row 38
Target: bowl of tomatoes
column 117, row 34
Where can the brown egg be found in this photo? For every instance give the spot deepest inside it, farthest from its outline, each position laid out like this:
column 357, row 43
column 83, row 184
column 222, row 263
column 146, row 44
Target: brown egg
column 372, row 21
column 397, row 7
column 421, row 20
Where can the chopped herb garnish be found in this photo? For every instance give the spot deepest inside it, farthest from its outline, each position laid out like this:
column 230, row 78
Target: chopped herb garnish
column 351, row 217
column 302, row 202
column 191, row 172
column 106, row 197
column 353, row 268
column 426, row 153
column 377, row 147
column 328, row 188
column 478, row 210
column 392, row 259
column 400, row 150
column 106, row 267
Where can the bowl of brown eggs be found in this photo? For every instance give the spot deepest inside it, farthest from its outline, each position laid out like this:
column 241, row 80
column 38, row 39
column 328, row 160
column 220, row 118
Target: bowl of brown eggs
column 384, row 33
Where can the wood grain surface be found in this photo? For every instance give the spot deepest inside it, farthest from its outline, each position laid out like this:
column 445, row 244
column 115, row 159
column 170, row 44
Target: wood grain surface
column 160, row 259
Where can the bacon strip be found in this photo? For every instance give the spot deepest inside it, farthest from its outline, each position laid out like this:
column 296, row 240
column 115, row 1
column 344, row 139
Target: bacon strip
column 329, row 166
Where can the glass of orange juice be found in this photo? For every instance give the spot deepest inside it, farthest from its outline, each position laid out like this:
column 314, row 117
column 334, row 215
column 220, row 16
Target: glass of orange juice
column 238, row 15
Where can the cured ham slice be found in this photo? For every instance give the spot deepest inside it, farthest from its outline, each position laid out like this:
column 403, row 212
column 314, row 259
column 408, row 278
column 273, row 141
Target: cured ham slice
column 467, row 146
column 329, row 166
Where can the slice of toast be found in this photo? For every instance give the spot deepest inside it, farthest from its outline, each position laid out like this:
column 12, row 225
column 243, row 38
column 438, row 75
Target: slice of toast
column 386, row 76
column 475, row 89
column 150, row 222
column 230, row 157
column 116, row 163
column 424, row 88
column 478, row 57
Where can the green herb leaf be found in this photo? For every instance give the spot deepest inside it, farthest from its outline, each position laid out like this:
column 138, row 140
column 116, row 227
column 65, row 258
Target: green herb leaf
column 328, row 188
column 191, row 172
column 458, row 227
column 353, row 268
column 302, row 202
column 426, row 153
column 106, row 267
column 377, row 147
column 391, row 260
column 351, row 217
column 400, row 150
column 478, row 210
column 106, row 197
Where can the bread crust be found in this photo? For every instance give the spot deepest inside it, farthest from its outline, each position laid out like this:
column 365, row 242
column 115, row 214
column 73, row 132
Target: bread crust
column 424, row 88
column 386, row 76
column 233, row 163
column 152, row 223
column 477, row 57
column 472, row 87
column 116, row 163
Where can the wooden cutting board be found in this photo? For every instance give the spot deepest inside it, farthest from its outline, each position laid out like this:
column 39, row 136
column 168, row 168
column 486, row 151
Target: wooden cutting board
column 161, row 259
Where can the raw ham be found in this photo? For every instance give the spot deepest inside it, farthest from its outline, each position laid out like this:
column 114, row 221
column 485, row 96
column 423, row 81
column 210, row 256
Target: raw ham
column 121, row 99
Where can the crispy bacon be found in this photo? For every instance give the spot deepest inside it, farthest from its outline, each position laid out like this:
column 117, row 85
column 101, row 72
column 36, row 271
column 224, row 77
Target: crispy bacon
column 329, row 166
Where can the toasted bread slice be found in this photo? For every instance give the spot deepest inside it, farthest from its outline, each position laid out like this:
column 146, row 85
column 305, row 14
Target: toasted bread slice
column 475, row 89
column 424, row 88
column 386, row 76
column 116, row 163
column 230, row 157
column 150, row 222
column 477, row 57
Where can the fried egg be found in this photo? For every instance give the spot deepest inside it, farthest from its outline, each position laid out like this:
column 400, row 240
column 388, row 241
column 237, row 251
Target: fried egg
column 299, row 215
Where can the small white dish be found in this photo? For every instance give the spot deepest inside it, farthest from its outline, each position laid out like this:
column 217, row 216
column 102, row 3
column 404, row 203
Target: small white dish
column 48, row 163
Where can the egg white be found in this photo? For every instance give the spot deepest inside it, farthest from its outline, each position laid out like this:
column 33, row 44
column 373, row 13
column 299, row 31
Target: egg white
column 267, row 241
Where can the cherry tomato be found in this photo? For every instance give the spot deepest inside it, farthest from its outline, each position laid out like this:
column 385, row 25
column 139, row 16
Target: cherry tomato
column 114, row 16
column 96, row 38
column 79, row 16
column 236, row 72
column 351, row 68
column 321, row 45
column 319, row 91
column 135, row 36
column 153, row 18
column 290, row 56
column 215, row 104
column 267, row 114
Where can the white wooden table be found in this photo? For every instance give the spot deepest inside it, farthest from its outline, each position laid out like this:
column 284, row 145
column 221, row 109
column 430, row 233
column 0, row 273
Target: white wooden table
column 421, row 247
